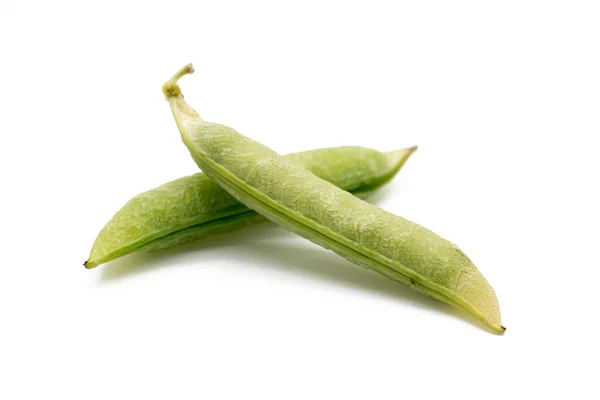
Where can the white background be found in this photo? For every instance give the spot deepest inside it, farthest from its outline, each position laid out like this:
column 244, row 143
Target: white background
column 502, row 98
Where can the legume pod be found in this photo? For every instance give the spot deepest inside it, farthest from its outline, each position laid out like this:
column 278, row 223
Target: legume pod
column 194, row 207
column 334, row 219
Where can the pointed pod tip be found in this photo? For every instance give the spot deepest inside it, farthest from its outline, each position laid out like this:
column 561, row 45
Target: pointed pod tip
column 404, row 152
column 397, row 158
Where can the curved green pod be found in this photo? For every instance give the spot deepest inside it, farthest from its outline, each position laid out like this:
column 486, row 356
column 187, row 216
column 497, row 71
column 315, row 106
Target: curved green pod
column 319, row 211
column 194, row 207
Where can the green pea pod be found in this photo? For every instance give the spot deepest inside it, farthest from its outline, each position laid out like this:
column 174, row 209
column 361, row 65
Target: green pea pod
column 194, row 207
column 301, row 202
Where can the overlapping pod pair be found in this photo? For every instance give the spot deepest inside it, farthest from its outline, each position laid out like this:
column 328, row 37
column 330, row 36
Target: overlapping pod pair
column 301, row 202
column 194, row 207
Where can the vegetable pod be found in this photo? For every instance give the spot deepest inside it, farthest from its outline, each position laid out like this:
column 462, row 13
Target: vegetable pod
column 302, row 203
column 194, row 207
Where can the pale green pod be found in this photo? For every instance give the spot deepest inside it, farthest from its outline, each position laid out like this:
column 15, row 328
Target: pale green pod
column 319, row 211
column 195, row 207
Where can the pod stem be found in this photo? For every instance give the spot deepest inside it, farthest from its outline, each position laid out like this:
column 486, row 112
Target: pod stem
column 171, row 88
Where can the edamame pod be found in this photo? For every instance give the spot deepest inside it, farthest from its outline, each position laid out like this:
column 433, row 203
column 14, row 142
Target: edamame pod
column 319, row 211
column 194, row 207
